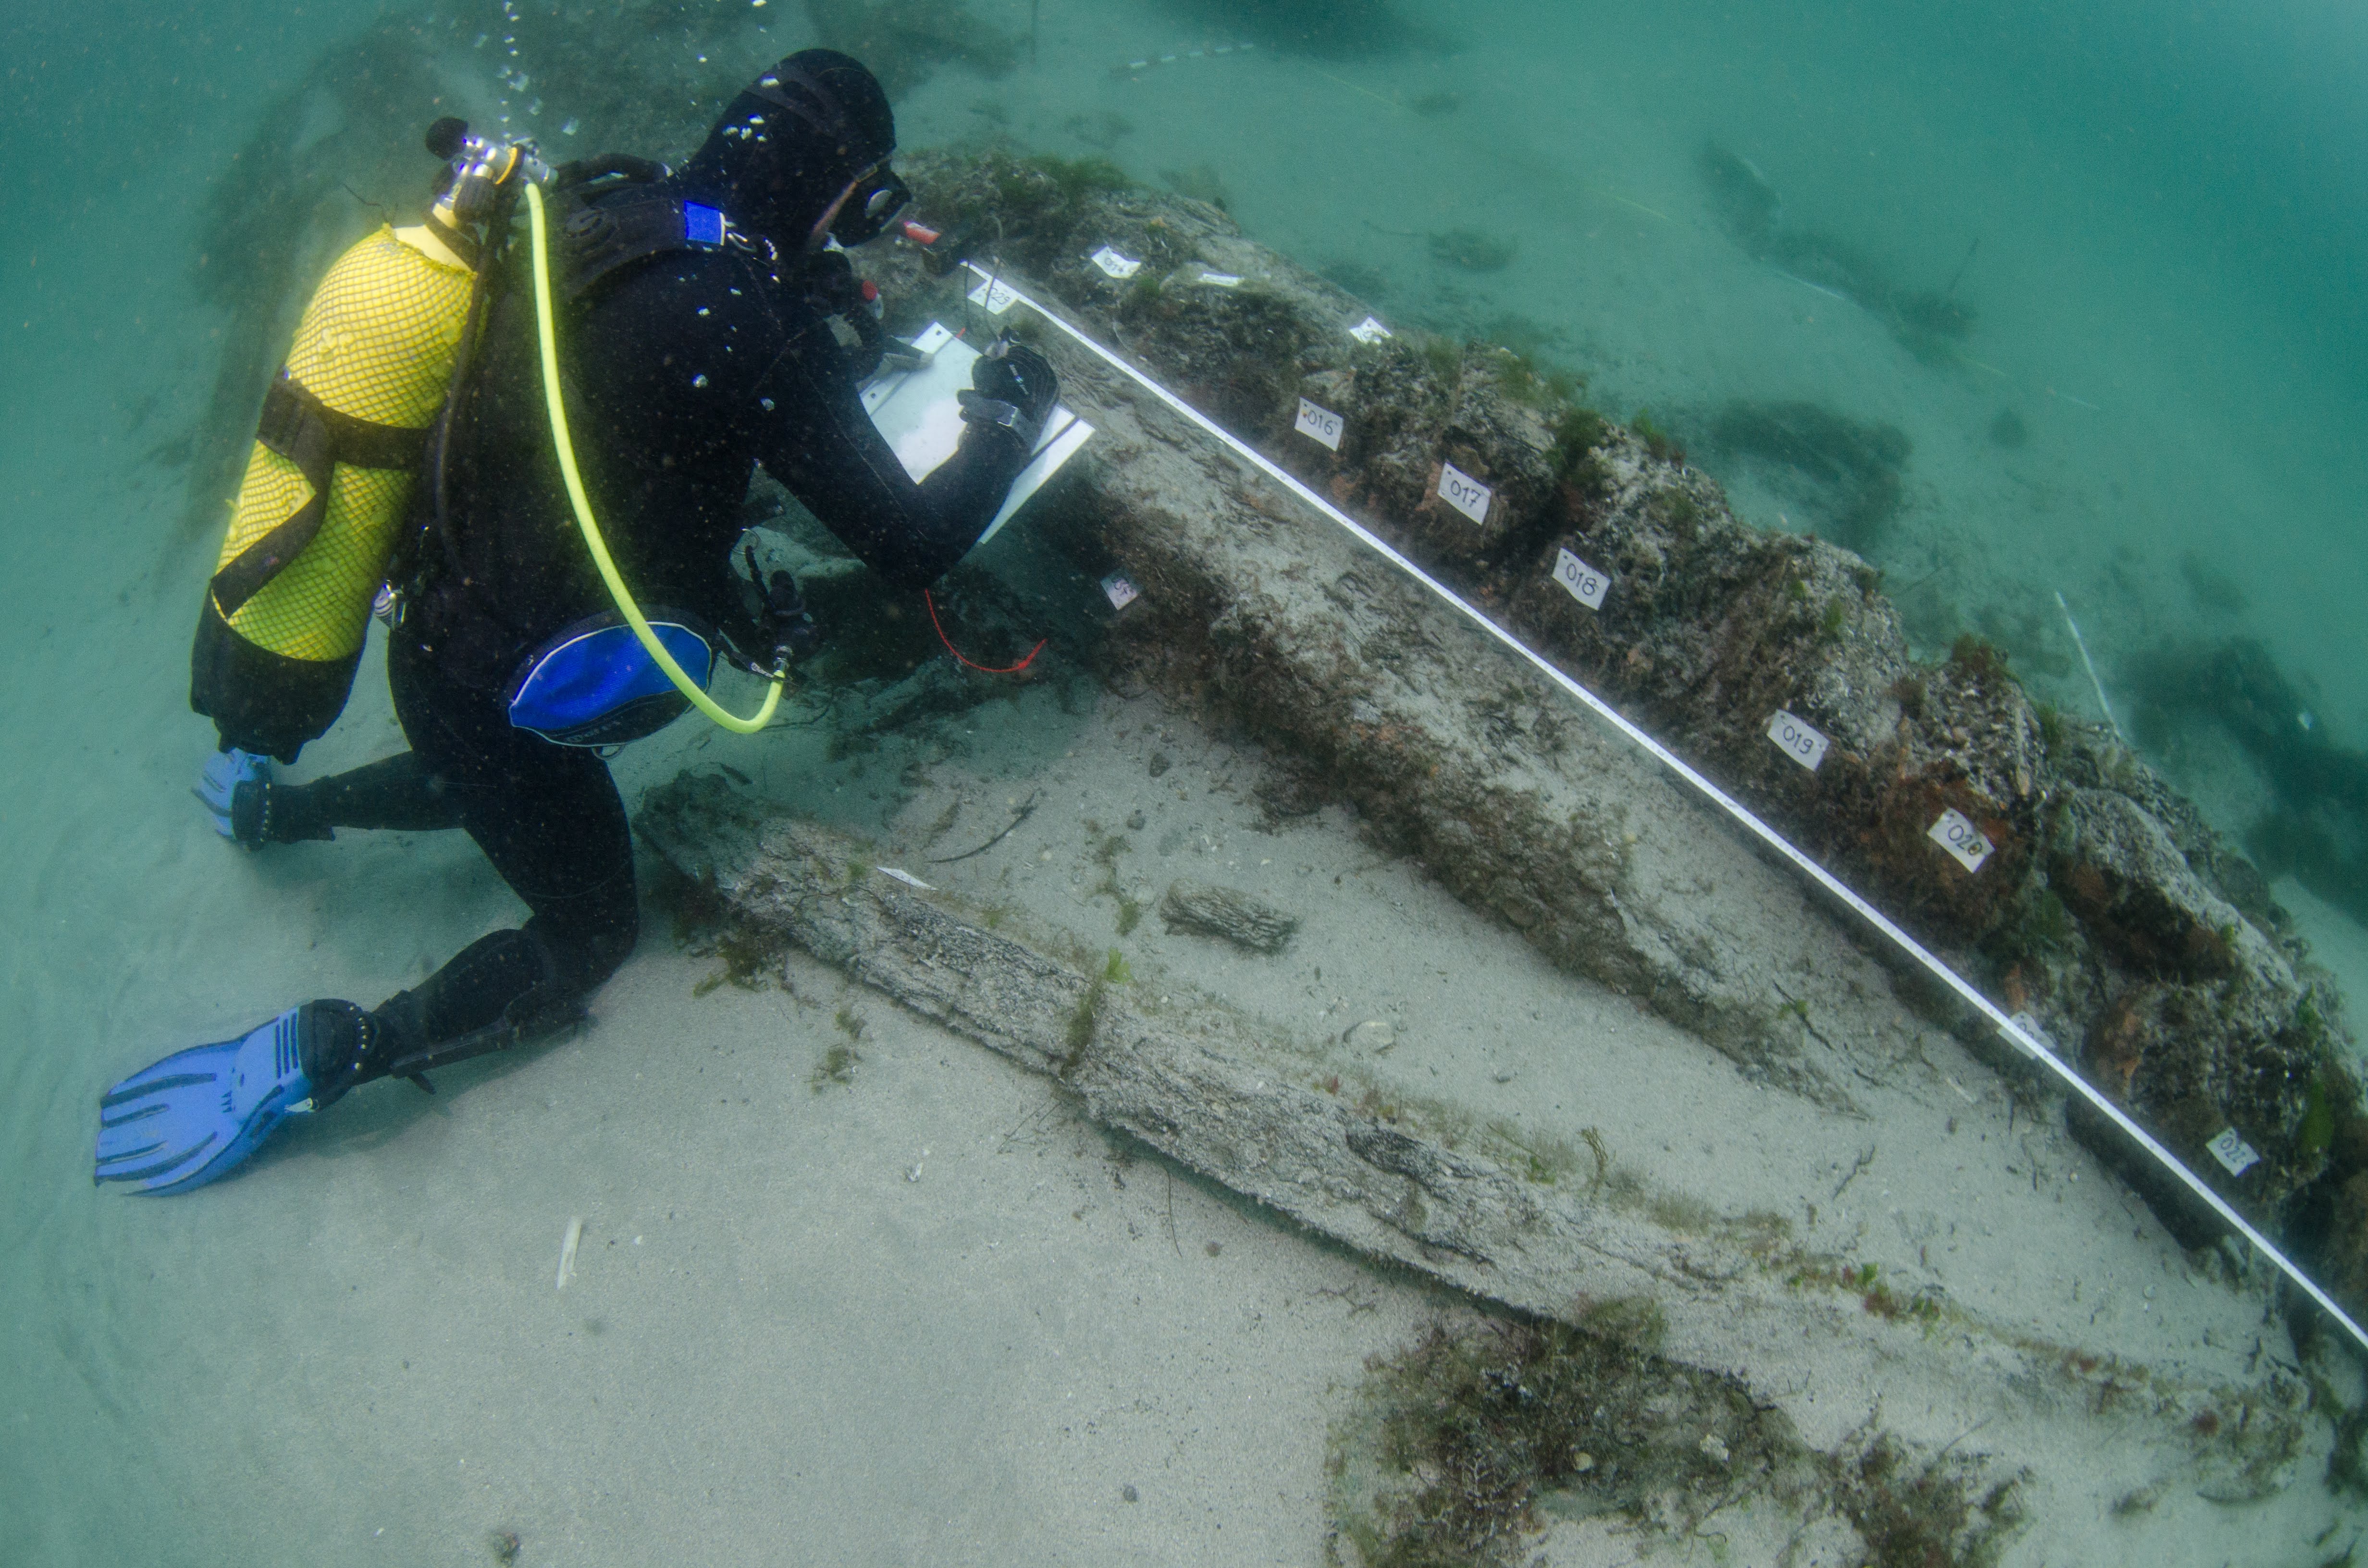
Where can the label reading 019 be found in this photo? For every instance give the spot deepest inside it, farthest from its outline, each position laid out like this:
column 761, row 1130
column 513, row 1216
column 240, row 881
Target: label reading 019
column 1956, row 833
column 1463, row 493
column 1585, row 583
column 1319, row 424
column 1115, row 265
column 1798, row 739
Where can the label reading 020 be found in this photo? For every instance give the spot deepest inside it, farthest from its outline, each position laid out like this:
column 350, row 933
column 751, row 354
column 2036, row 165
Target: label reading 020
column 1956, row 833
column 1801, row 741
column 1585, row 583
column 1319, row 424
column 996, row 294
column 1463, row 493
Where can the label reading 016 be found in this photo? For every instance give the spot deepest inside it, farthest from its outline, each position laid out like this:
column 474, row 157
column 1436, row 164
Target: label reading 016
column 1319, row 424
column 1463, row 493
column 1585, row 583
column 1800, row 741
column 1957, row 834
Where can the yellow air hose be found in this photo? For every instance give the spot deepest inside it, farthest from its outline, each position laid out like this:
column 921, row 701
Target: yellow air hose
column 592, row 540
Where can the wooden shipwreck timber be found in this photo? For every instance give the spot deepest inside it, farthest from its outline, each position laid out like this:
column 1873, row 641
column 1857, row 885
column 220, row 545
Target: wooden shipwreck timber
column 2100, row 905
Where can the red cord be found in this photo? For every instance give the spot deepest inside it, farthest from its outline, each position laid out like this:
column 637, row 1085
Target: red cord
column 982, row 669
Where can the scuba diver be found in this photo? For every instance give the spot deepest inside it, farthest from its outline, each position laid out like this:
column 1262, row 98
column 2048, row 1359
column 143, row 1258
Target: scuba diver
column 707, row 314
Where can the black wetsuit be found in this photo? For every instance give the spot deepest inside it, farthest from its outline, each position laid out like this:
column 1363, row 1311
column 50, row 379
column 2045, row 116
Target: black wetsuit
column 683, row 370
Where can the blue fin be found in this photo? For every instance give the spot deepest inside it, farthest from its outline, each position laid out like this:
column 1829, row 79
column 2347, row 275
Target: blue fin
column 199, row 1113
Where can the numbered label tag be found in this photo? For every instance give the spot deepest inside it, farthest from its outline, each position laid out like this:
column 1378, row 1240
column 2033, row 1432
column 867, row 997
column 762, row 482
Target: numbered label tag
column 2036, row 1031
column 1800, row 741
column 1121, row 592
column 1117, row 265
column 1319, row 424
column 1370, row 330
column 1222, row 279
column 1463, row 493
column 996, row 294
column 1585, row 583
column 1958, row 835
column 2236, row 1156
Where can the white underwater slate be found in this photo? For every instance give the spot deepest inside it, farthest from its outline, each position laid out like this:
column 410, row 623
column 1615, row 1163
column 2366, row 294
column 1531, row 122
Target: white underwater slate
column 919, row 415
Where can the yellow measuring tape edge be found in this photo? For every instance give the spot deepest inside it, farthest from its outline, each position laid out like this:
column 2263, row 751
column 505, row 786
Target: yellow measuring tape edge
column 592, row 540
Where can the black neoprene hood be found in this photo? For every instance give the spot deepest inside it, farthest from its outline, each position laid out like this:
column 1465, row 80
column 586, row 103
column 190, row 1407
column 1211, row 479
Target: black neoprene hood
column 790, row 141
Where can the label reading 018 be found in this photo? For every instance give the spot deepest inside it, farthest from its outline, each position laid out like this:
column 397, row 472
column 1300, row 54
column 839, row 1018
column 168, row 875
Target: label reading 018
column 1319, row 424
column 1798, row 739
column 1956, row 833
column 1585, row 583
column 1463, row 493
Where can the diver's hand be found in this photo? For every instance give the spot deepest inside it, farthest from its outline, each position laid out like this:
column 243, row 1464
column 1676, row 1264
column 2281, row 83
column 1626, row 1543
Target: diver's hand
column 218, row 784
column 1014, row 373
column 1013, row 387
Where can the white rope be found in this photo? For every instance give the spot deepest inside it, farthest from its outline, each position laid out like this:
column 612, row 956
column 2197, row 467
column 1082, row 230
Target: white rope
column 2015, row 1032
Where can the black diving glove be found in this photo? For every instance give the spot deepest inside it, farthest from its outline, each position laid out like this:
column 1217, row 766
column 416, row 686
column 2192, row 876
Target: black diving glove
column 1014, row 387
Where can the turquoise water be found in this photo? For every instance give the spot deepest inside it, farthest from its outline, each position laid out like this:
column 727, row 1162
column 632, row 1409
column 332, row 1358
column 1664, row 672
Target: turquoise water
column 2151, row 224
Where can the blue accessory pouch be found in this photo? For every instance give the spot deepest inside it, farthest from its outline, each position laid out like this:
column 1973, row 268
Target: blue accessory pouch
column 703, row 226
column 593, row 684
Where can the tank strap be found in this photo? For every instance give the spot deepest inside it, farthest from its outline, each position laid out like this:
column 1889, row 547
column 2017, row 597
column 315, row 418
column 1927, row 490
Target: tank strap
column 315, row 437
column 451, row 239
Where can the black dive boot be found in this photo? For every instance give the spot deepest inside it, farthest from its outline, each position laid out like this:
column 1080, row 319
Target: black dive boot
column 499, row 990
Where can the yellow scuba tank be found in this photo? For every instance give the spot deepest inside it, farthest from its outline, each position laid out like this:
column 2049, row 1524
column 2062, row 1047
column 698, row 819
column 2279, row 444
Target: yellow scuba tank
column 336, row 453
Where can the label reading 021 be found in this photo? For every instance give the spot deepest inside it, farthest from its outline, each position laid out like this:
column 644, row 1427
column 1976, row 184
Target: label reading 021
column 1463, row 493
column 1319, row 424
column 1956, row 833
column 2236, row 1156
column 1585, row 583
column 1799, row 740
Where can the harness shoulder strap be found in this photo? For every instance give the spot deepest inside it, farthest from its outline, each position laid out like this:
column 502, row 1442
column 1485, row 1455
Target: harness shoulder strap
column 597, row 241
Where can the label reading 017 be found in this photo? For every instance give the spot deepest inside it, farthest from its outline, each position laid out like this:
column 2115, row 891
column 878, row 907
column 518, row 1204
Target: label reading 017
column 1956, row 833
column 1585, row 583
column 1798, row 739
column 1463, row 493
column 1319, row 424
